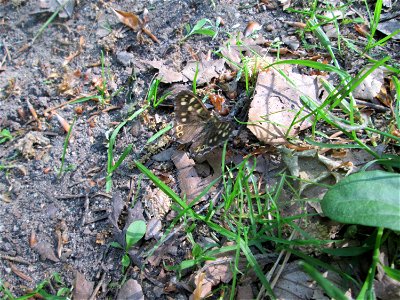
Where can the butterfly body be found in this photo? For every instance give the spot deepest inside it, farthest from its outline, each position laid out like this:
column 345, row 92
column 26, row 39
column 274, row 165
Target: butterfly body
column 196, row 125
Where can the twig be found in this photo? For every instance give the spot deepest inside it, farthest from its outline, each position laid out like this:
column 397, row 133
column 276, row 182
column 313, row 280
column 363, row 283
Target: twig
column 16, row 259
column 64, row 103
column 86, row 211
column 96, row 290
column 69, row 196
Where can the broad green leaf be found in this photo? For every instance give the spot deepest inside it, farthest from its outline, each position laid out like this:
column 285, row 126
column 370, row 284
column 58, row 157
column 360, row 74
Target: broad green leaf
column 199, row 24
column 208, row 32
column 126, row 260
column 134, row 233
column 116, row 245
column 367, row 198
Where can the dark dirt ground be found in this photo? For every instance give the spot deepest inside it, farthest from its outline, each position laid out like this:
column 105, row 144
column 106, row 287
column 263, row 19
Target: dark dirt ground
column 36, row 204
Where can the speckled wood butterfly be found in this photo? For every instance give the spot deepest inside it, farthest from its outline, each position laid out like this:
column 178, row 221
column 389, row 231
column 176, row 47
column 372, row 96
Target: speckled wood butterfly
column 196, row 125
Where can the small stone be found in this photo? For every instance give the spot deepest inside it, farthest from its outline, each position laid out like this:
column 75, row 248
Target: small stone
column 125, row 58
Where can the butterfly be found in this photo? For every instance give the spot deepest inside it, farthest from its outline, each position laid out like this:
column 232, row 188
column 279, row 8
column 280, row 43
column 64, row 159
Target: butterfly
column 196, row 125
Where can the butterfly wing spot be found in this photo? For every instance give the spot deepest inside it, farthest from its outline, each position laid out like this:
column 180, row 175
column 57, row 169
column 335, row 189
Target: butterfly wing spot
column 179, row 128
column 190, row 108
column 183, row 114
column 179, row 134
column 184, row 103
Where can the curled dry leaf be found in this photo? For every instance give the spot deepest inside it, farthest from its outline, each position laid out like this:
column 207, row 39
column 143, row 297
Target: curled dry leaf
column 251, row 27
column 27, row 144
column 46, row 251
column 219, row 104
column 129, row 19
column 63, row 122
column 153, row 229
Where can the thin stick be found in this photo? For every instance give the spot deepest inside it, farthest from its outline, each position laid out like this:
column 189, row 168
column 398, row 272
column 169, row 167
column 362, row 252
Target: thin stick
column 96, row 290
column 16, row 259
column 86, row 211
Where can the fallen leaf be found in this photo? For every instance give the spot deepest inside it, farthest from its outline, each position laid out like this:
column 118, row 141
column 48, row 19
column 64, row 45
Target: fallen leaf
column 245, row 292
column 158, row 204
column 46, row 251
column 28, row 144
column 130, row 290
column 276, row 104
column 165, row 73
column 390, row 26
column 129, row 19
column 370, row 87
column 54, row 5
column 153, row 229
column 83, row 288
column 206, row 70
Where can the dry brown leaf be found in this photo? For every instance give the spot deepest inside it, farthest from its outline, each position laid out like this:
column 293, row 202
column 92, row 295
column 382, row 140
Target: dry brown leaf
column 153, row 229
column 28, row 144
column 276, row 104
column 370, row 86
column 158, row 204
column 131, row 290
column 295, row 284
column 82, row 288
column 165, row 73
column 190, row 183
column 129, row 19
column 245, row 292
column 206, row 70
column 70, row 57
column 46, row 251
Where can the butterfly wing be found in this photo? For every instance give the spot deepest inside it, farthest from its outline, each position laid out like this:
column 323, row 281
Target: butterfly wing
column 216, row 133
column 196, row 125
column 191, row 116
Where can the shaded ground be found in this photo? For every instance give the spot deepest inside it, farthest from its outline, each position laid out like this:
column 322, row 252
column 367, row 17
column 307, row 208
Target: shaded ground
column 37, row 207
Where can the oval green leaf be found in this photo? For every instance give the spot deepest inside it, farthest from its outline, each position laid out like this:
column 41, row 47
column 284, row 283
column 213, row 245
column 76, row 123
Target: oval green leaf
column 367, row 198
column 134, row 233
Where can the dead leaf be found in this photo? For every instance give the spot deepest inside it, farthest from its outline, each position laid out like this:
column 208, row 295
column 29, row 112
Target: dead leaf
column 190, row 183
column 28, row 144
column 276, row 104
column 158, row 204
column 83, row 288
column 245, row 292
column 370, row 86
column 251, row 27
column 131, row 290
column 153, row 229
column 165, row 73
column 46, row 251
column 129, row 19
column 295, row 284
column 54, row 5
column 206, row 70
column 390, row 26
column 385, row 287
